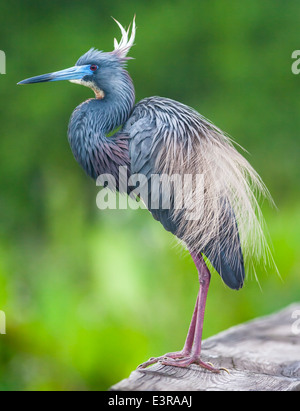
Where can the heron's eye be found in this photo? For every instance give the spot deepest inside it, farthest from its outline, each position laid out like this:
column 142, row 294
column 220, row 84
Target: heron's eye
column 93, row 67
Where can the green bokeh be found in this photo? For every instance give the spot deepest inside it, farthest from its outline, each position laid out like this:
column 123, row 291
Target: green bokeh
column 89, row 294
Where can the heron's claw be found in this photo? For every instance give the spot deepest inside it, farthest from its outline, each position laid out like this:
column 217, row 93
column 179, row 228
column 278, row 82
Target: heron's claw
column 153, row 360
column 225, row 369
column 221, row 369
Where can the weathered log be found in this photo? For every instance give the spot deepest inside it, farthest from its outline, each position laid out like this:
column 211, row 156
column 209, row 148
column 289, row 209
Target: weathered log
column 260, row 355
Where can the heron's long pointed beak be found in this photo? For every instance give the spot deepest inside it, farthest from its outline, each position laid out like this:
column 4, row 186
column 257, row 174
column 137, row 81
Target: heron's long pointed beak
column 72, row 73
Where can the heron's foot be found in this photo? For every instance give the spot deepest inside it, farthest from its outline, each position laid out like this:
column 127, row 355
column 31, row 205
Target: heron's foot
column 184, row 362
column 181, row 359
column 171, row 356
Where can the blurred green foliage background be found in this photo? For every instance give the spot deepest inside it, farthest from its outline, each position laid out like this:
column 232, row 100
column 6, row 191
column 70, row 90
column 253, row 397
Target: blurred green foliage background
column 88, row 295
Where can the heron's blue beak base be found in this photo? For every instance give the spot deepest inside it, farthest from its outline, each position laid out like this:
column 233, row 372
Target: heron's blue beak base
column 72, row 73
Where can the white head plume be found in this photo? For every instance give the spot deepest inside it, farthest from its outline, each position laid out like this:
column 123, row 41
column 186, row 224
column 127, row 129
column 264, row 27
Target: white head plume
column 123, row 46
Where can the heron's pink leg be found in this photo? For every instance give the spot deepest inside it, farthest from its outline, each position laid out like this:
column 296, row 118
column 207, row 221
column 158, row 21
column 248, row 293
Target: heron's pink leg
column 192, row 347
column 193, row 357
column 191, row 332
column 204, row 281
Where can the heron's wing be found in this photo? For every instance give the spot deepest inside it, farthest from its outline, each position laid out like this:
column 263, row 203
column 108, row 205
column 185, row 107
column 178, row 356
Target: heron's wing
column 143, row 159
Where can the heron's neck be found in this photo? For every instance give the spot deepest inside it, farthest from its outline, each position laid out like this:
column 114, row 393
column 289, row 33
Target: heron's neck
column 92, row 120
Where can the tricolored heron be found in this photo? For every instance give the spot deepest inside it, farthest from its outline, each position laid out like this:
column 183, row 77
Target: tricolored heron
column 160, row 136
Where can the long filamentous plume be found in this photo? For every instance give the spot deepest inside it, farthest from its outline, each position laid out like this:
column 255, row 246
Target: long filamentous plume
column 122, row 47
column 228, row 179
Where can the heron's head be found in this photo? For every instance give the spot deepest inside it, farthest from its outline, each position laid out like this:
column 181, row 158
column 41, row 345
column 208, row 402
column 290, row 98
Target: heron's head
column 100, row 71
